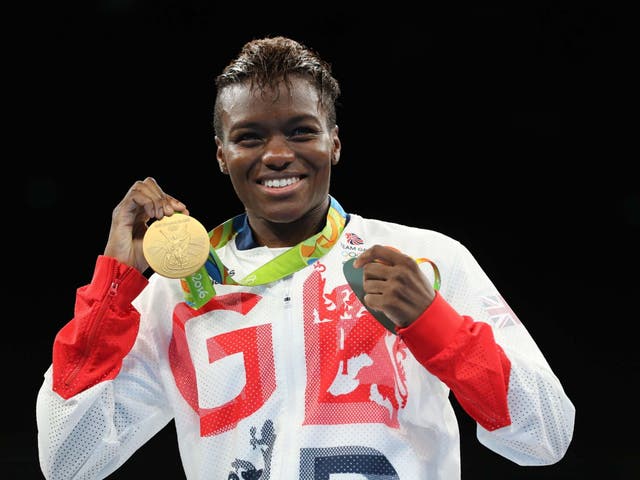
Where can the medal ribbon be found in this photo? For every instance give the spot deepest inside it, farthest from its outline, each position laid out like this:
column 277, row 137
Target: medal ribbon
column 436, row 271
column 198, row 288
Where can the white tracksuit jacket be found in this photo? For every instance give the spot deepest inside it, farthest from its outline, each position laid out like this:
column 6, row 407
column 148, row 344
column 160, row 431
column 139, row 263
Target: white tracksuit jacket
column 295, row 379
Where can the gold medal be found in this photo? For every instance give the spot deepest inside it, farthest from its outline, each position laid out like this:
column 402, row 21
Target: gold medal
column 176, row 246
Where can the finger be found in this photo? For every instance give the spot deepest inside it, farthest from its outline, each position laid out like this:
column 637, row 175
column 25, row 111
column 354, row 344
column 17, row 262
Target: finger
column 374, row 286
column 174, row 205
column 148, row 195
column 376, row 271
column 379, row 254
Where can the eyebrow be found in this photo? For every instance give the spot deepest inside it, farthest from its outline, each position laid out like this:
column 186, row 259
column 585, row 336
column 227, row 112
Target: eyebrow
column 290, row 121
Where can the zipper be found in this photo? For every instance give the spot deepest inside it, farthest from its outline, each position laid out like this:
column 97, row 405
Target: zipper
column 290, row 446
column 95, row 322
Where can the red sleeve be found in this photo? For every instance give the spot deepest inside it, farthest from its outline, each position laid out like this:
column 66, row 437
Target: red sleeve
column 464, row 355
column 90, row 348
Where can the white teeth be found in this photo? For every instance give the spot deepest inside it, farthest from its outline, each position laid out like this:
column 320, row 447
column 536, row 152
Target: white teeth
column 280, row 182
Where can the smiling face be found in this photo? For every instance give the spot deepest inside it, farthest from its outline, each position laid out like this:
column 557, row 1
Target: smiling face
column 278, row 151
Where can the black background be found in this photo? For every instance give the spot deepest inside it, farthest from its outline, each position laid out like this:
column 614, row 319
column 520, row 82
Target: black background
column 508, row 129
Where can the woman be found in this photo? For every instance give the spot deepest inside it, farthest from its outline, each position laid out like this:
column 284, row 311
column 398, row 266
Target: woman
column 280, row 357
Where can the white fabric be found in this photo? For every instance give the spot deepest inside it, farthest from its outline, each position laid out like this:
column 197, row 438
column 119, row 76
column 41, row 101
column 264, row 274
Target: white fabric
column 260, row 395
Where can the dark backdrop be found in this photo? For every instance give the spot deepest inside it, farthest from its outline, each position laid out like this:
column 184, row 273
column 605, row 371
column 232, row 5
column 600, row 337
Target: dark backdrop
column 506, row 129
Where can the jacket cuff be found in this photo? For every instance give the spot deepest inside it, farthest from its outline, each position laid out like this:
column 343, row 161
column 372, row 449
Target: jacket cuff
column 435, row 328
column 110, row 274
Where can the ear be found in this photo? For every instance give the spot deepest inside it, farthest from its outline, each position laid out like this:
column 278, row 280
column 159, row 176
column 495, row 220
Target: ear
column 337, row 146
column 220, row 156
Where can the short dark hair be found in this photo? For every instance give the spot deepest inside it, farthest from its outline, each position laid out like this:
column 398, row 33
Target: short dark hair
column 267, row 61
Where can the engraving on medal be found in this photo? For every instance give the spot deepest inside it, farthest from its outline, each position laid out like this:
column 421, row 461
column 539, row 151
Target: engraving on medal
column 176, row 246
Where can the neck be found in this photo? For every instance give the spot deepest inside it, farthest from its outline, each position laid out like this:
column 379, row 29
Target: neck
column 276, row 235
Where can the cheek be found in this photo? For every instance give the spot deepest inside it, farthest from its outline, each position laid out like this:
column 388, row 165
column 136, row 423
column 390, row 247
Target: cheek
column 321, row 156
column 238, row 178
column 235, row 161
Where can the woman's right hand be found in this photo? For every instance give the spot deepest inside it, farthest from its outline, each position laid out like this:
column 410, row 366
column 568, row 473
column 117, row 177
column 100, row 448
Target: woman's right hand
column 144, row 201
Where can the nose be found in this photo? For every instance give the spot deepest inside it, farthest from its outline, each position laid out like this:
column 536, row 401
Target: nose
column 277, row 152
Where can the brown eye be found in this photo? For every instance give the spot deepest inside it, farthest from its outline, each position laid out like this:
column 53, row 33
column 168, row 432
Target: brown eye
column 302, row 133
column 247, row 138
